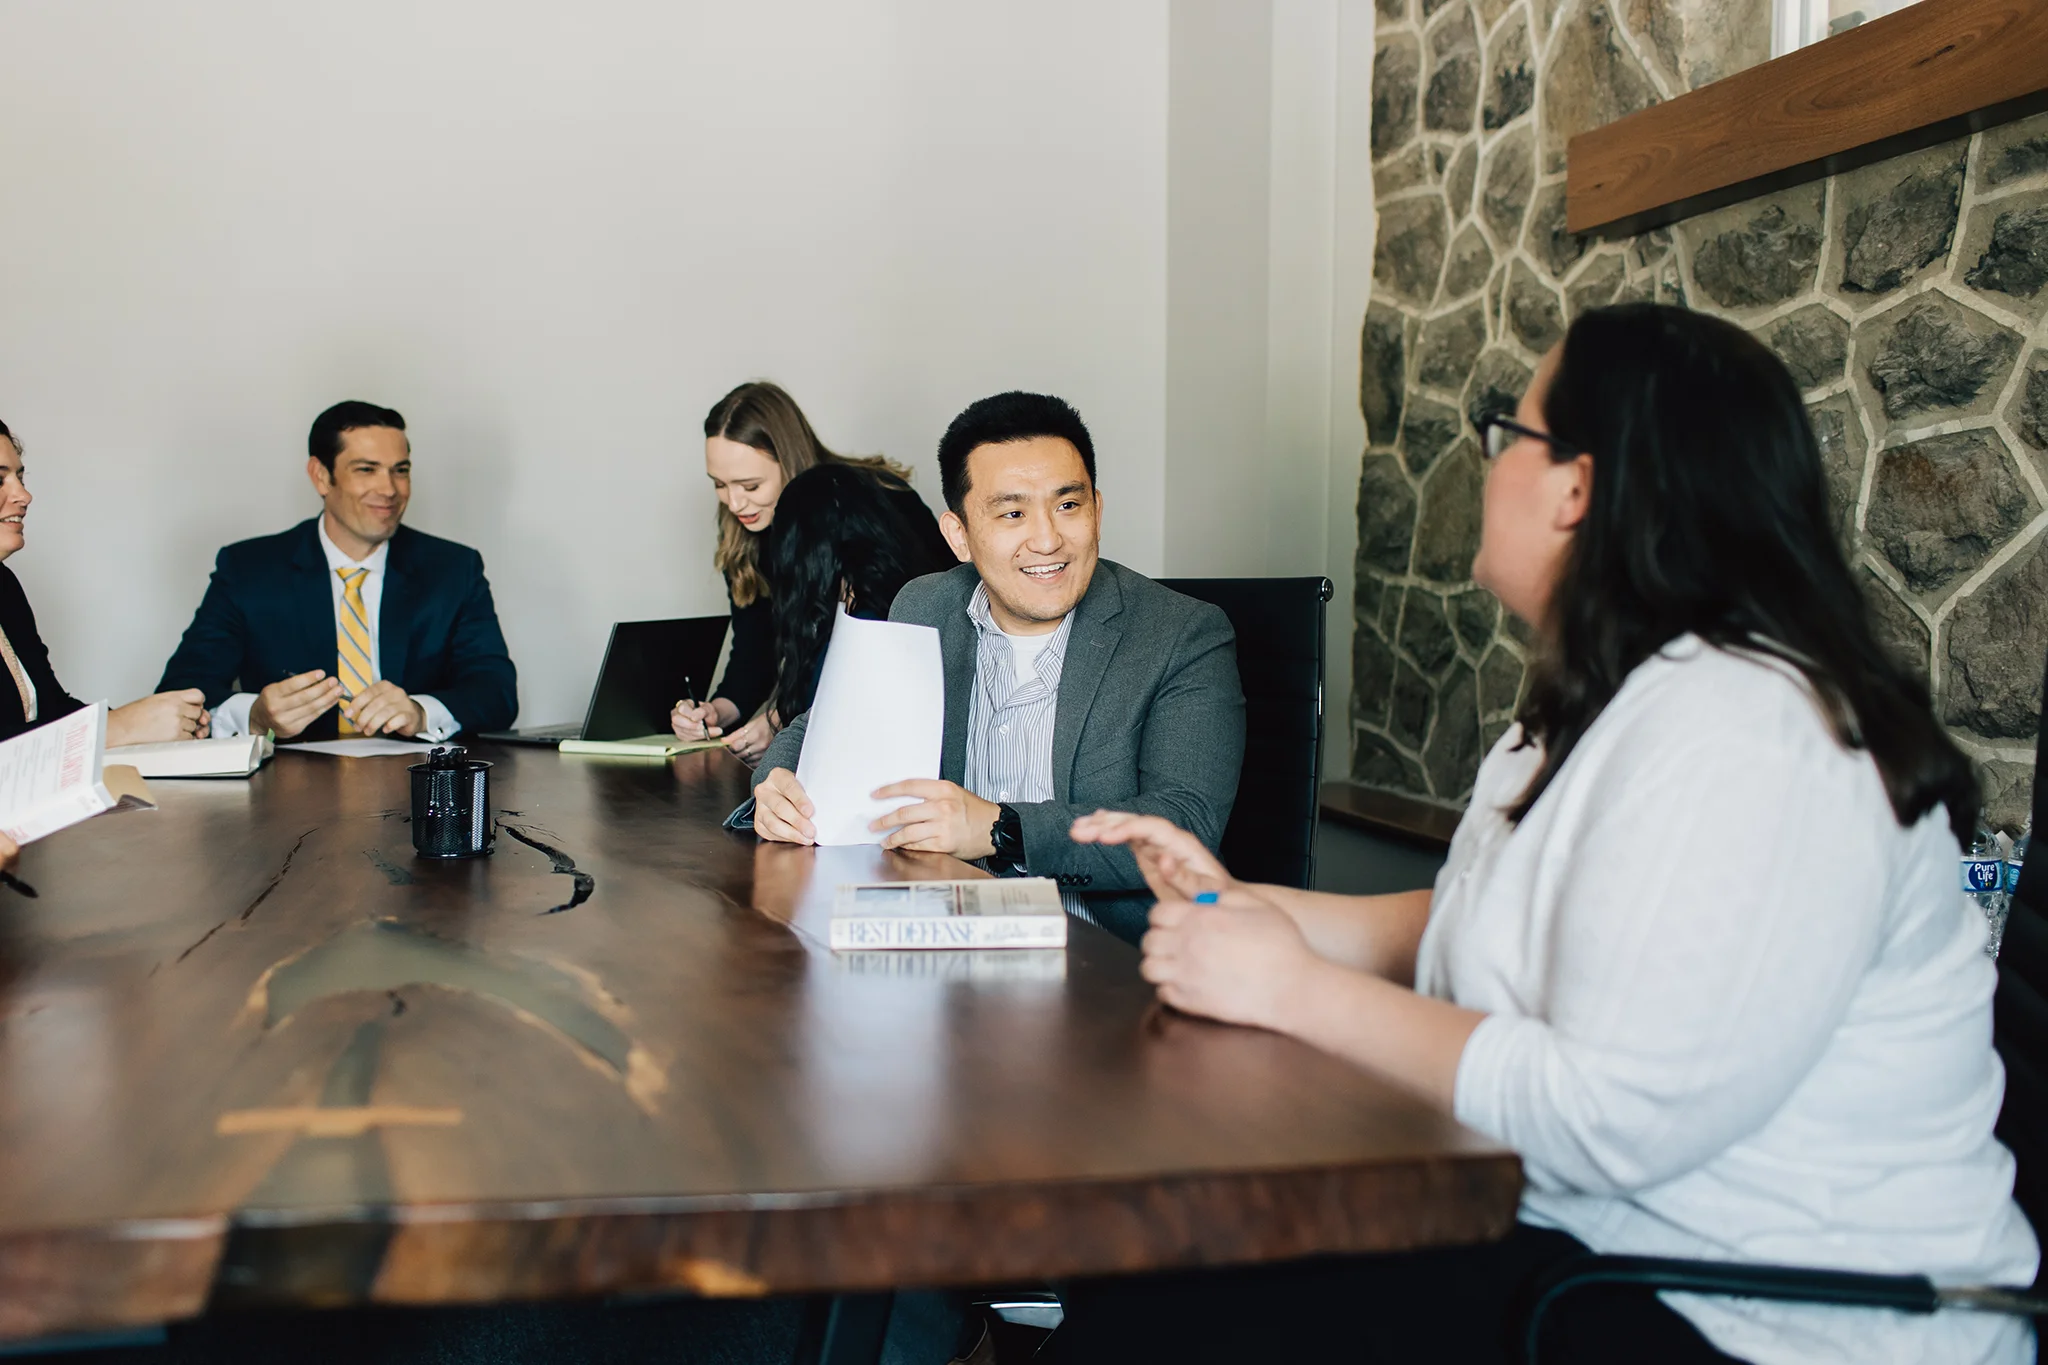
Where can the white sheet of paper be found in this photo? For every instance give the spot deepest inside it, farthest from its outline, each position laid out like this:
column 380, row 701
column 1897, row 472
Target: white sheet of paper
column 879, row 717
column 358, row 748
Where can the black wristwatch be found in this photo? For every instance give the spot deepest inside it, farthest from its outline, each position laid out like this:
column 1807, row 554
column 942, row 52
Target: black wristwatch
column 1006, row 836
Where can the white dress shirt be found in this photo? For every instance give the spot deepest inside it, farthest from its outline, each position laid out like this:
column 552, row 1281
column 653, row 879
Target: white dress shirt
column 231, row 717
column 1010, row 716
column 1735, row 1010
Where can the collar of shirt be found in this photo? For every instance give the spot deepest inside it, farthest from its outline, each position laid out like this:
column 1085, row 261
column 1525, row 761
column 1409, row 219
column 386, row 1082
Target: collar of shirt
column 1051, row 660
column 336, row 560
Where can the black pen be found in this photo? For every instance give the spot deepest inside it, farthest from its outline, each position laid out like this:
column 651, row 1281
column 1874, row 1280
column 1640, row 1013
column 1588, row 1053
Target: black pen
column 8, row 879
column 690, row 697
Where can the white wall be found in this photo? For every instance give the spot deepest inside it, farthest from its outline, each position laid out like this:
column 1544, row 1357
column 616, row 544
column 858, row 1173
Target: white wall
column 1219, row 183
column 551, row 235
column 1269, row 250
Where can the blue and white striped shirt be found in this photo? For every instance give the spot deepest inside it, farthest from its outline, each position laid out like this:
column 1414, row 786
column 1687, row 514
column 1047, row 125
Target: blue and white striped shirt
column 1010, row 719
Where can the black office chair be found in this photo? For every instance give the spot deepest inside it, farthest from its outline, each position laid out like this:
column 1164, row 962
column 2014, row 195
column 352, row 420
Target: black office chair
column 1271, row 836
column 2019, row 1030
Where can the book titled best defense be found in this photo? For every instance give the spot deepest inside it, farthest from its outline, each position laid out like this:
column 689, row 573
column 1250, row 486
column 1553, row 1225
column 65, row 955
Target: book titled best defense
column 1005, row 912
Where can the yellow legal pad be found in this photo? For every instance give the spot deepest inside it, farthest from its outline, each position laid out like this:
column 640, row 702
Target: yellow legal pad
column 641, row 746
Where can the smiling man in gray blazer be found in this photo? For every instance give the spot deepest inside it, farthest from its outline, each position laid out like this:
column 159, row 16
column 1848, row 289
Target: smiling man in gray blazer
column 1072, row 683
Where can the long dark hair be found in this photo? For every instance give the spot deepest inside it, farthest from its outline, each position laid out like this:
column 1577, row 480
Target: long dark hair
column 1709, row 514
column 841, row 534
column 764, row 416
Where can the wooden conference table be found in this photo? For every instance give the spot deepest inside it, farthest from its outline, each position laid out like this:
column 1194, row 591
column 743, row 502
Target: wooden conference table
column 253, row 1051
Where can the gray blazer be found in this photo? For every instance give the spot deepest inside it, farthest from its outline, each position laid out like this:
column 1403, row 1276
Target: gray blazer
column 1150, row 719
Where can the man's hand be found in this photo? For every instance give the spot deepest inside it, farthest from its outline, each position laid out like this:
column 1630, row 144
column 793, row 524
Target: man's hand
column 781, row 810
column 382, row 708
column 10, row 854
column 290, row 706
column 1175, row 864
column 1240, row 960
column 942, row 818
column 160, row 719
column 702, row 720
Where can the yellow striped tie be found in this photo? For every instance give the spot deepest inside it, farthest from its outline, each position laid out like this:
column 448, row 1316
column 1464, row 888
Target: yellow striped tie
column 352, row 639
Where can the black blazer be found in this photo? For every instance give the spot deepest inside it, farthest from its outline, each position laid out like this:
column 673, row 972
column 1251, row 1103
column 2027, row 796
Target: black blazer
column 750, row 665
column 268, row 614
column 19, row 621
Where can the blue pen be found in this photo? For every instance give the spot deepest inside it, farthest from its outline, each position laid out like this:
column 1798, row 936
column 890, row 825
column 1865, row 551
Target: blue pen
column 1207, row 898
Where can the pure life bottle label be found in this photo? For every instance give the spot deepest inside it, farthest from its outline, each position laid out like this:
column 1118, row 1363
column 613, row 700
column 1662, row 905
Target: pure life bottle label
column 1982, row 874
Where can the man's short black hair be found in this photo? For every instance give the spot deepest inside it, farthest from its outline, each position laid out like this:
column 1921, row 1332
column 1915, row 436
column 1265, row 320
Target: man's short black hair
column 323, row 443
column 999, row 420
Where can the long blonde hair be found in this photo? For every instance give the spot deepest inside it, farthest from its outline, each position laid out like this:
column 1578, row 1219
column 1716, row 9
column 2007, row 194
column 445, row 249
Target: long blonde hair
column 764, row 416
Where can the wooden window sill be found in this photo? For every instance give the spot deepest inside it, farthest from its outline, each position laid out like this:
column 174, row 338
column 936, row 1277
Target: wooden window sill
column 1390, row 815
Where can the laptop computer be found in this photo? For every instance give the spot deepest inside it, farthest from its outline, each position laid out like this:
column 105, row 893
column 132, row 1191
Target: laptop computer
column 648, row 667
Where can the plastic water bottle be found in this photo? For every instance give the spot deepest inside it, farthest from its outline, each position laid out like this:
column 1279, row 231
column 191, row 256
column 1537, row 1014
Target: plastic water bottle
column 2015, row 862
column 1984, row 881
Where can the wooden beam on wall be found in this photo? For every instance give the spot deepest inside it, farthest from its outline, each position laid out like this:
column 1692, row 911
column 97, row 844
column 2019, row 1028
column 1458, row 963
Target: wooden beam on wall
column 1930, row 72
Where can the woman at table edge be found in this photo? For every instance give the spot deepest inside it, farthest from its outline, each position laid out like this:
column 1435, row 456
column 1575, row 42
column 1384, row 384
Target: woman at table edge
column 30, row 693
column 1697, row 952
column 756, row 439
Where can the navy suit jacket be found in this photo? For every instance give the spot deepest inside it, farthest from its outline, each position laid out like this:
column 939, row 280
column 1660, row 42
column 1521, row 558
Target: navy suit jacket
column 268, row 614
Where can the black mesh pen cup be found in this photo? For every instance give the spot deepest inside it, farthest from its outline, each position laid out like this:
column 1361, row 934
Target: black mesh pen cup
column 451, row 805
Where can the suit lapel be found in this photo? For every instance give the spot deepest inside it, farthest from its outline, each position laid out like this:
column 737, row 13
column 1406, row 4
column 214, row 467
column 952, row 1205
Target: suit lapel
column 394, row 613
column 959, row 648
column 1090, row 645
column 312, row 607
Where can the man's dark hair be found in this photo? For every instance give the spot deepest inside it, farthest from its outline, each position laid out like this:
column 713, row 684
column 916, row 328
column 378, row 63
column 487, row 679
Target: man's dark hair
column 323, row 443
column 999, row 420
column 12, row 439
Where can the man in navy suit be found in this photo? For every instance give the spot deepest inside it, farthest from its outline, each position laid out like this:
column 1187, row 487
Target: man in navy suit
column 350, row 623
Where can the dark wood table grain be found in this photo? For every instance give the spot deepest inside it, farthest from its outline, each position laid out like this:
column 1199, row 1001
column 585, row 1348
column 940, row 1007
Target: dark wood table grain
column 253, row 1051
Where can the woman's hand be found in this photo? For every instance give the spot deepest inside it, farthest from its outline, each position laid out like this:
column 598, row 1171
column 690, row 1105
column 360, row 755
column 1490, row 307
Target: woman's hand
column 1174, row 862
column 702, row 720
column 1240, row 960
column 751, row 740
column 10, row 854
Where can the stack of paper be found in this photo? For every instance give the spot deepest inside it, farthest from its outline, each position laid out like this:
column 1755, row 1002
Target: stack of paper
column 52, row 777
column 227, row 756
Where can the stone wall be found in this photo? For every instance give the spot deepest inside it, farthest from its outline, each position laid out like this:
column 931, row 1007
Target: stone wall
column 1909, row 298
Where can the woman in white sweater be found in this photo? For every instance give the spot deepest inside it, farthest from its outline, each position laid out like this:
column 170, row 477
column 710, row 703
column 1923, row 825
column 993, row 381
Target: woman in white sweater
column 1698, row 953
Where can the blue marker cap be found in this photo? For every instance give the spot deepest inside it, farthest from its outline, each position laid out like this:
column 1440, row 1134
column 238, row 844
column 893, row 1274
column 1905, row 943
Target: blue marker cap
column 1207, row 898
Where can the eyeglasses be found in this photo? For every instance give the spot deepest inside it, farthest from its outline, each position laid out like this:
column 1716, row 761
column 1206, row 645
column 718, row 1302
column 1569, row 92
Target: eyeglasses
column 1497, row 432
